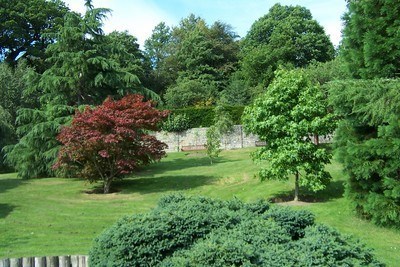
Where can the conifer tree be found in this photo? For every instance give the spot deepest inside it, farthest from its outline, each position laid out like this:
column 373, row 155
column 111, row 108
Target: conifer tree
column 371, row 45
column 367, row 143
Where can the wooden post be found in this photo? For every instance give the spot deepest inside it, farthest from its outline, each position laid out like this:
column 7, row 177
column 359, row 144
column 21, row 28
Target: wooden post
column 52, row 261
column 15, row 262
column 64, row 261
column 74, row 261
column 28, row 262
column 5, row 263
column 40, row 261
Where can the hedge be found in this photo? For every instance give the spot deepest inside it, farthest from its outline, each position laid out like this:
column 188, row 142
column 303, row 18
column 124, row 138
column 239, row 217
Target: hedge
column 204, row 116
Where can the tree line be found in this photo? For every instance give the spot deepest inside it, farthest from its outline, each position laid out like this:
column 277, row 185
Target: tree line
column 56, row 61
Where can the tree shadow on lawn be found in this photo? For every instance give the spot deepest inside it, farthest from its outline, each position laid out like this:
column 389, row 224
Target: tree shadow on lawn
column 162, row 184
column 334, row 190
column 180, row 164
column 9, row 183
column 5, row 209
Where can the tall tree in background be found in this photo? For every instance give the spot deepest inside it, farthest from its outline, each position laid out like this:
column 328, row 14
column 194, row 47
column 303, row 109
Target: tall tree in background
column 124, row 50
column 193, row 52
column 286, row 35
column 286, row 116
column 158, row 50
column 371, row 39
column 24, row 25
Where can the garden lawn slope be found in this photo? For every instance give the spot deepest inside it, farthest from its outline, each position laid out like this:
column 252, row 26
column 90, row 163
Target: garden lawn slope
column 56, row 216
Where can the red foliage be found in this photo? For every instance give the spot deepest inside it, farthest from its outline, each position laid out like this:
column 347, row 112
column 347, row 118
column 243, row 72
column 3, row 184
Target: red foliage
column 111, row 140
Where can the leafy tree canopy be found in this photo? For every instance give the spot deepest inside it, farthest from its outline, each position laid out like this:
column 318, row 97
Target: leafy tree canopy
column 371, row 37
column 286, row 116
column 189, row 92
column 13, row 87
column 111, row 140
column 24, row 25
column 193, row 50
column 286, row 35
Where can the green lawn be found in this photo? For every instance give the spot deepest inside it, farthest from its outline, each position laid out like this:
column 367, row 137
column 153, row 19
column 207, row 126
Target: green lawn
column 56, row 216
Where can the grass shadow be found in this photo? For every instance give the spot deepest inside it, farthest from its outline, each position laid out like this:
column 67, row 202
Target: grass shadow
column 191, row 160
column 161, row 184
column 334, row 190
column 5, row 209
column 9, row 183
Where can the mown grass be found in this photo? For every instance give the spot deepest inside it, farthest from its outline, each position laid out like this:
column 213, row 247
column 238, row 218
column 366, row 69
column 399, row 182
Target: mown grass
column 56, row 216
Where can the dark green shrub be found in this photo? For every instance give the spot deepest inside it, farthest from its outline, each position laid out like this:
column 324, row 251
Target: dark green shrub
column 199, row 231
column 241, row 246
column 293, row 221
column 175, row 224
column 324, row 246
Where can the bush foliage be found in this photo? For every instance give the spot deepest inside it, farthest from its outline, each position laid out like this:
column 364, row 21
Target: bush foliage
column 200, row 231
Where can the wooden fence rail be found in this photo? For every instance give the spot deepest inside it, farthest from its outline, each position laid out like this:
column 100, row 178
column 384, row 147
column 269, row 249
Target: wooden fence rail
column 52, row 261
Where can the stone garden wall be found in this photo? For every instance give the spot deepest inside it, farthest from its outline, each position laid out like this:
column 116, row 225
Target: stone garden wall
column 197, row 137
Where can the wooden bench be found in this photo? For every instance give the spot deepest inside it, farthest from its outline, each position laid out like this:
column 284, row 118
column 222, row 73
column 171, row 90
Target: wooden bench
column 193, row 148
column 260, row 143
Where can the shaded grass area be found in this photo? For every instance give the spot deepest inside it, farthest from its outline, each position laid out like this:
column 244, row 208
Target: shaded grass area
column 56, row 216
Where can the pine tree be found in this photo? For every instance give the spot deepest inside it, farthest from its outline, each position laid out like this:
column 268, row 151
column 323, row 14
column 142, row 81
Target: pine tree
column 367, row 143
column 371, row 35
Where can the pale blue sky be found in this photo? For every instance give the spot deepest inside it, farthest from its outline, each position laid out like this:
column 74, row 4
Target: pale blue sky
column 139, row 17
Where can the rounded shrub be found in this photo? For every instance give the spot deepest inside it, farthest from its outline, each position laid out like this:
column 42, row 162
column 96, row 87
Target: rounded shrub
column 200, row 231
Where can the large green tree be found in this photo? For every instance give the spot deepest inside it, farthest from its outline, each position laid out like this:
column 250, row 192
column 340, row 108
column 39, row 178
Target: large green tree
column 368, row 144
column 193, row 52
column 24, row 25
column 158, row 52
column 85, row 69
column 286, row 35
column 371, row 38
column 286, row 116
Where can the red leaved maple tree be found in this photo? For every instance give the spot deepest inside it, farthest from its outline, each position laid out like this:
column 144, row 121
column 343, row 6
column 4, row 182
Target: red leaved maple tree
column 111, row 140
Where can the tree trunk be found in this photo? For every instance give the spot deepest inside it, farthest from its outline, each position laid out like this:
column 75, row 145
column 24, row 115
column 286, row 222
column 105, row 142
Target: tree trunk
column 106, row 185
column 296, row 187
column 316, row 139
